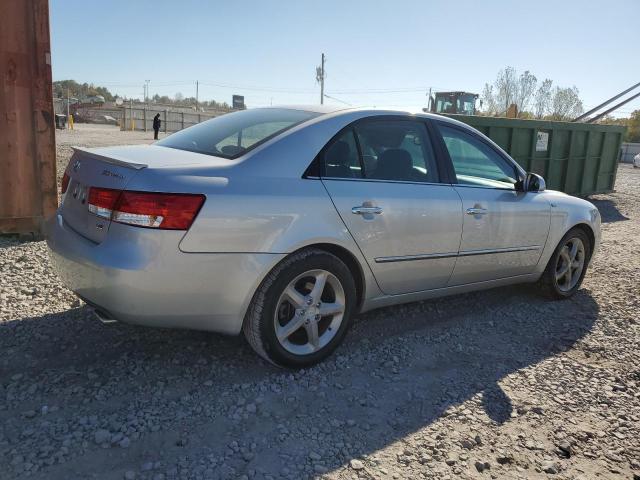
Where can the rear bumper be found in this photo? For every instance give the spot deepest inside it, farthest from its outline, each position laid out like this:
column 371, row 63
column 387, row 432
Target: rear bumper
column 140, row 276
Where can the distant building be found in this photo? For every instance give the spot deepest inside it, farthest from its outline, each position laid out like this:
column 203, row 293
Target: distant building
column 628, row 151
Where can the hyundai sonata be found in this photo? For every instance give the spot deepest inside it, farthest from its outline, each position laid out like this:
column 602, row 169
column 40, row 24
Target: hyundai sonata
column 285, row 222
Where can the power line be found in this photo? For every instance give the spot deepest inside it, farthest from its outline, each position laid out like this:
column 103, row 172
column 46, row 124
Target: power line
column 256, row 88
column 337, row 99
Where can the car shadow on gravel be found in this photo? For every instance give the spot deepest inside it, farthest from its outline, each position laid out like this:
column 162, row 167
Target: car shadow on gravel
column 609, row 211
column 401, row 369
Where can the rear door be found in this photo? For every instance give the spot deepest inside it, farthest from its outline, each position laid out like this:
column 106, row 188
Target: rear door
column 383, row 178
column 504, row 230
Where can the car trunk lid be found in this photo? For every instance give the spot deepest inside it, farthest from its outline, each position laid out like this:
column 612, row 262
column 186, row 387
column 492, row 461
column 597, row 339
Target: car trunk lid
column 91, row 168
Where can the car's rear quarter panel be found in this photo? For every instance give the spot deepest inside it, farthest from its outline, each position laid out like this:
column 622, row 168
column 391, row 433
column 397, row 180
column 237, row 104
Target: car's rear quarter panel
column 139, row 275
column 266, row 215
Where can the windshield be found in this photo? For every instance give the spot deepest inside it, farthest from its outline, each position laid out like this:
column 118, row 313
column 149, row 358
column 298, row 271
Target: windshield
column 233, row 134
column 467, row 104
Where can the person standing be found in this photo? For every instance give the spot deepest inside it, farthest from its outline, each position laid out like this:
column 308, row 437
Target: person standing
column 156, row 126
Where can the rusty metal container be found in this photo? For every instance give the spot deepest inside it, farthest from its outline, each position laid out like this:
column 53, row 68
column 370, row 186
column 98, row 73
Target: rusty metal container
column 28, row 190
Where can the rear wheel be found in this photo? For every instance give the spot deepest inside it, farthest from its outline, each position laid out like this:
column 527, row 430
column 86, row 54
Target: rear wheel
column 567, row 266
column 302, row 310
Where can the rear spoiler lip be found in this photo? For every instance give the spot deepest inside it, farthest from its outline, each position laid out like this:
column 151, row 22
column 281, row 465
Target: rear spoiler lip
column 114, row 160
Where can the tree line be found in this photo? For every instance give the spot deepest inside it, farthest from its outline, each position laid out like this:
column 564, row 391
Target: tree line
column 632, row 123
column 533, row 99
column 543, row 100
column 62, row 88
column 180, row 100
column 73, row 89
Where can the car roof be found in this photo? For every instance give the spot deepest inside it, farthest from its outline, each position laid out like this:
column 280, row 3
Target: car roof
column 322, row 109
column 335, row 110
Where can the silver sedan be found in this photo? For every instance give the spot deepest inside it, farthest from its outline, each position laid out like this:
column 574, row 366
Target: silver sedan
column 284, row 223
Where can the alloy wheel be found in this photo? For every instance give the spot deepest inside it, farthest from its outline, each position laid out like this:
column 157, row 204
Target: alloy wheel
column 309, row 312
column 570, row 264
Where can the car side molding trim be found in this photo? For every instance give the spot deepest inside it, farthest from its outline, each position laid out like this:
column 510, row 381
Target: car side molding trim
column 468, row 253
column 409, row 258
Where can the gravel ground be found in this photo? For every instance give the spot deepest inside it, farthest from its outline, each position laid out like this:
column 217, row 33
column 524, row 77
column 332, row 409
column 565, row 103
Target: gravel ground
column 498, row 384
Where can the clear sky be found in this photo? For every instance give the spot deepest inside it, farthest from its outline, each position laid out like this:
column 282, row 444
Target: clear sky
column 382, row 53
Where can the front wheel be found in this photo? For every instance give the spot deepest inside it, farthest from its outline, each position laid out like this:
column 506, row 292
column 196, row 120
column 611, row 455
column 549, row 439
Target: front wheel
column 567, row 266
column 302, row 310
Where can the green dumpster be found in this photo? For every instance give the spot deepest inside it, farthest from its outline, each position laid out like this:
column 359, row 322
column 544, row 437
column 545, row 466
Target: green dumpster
column 576, row 158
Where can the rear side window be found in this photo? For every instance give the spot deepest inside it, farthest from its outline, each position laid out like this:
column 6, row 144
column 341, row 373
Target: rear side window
column 341, row 157
column 475, row 162
column 233, row 134
column 396, row 150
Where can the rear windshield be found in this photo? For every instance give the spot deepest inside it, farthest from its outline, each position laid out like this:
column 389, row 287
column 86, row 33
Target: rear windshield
column 233, row 134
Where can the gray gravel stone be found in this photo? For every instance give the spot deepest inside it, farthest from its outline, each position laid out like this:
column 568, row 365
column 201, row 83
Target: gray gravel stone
column 101, row 436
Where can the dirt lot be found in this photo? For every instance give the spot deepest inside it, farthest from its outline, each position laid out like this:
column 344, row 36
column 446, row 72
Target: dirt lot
column 498, row 384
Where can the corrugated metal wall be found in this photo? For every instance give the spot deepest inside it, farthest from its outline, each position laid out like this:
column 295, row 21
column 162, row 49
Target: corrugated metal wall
column 28, row 191
column 628, row 151
column 172, row 121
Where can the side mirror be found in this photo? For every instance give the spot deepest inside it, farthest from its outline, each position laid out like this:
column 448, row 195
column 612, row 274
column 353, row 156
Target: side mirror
column 533, row 183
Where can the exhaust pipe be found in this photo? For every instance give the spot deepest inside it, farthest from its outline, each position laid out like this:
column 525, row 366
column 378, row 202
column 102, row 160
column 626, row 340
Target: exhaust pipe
column 104, row 316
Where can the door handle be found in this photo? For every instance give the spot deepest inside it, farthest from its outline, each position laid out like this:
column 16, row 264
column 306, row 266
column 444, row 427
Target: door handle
column 362, row 210
column 477, row 211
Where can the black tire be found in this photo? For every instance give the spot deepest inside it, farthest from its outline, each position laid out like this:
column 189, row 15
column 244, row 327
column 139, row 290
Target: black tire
column 258, row 326
column 548, row 282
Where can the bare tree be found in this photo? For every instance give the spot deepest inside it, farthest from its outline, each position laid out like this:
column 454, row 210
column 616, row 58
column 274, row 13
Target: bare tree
column 543, row 99
column 488, row 98
column 506, row 87
column 565, row 103
column 524, row 90
column 178, row 97
column 509, row 88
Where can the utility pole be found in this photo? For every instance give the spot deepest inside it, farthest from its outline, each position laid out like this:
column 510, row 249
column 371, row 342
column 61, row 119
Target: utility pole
column 146, row 93
column 429, row 101
column 320, row 76
column 322, row 82
column 197, row 95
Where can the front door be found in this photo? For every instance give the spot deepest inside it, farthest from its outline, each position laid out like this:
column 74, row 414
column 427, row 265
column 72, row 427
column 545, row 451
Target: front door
column 382, row 177
column 504, row 231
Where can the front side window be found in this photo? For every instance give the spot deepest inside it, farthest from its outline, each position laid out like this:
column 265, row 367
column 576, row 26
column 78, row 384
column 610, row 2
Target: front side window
column 475, row 162
column 233, row 134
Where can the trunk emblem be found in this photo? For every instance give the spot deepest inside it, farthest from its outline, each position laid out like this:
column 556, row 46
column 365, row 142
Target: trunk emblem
column 109, row 173
column 76, row 166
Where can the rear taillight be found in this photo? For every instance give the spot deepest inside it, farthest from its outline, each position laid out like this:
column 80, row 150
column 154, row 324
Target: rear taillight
column 102, row 201
column 174, row 211
column 170, row 211
column 65, row 183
